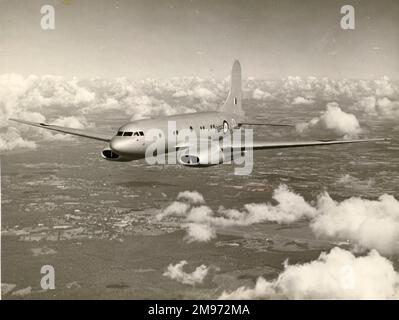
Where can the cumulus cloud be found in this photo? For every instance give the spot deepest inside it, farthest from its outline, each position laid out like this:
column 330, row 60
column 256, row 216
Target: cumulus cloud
column 302, row 101
column 143, row 106
column 204, row 93
column 334, row 275
column 367, row 224
column 34, row 98
column 359, row 95
column 383, row 108
column 11, row 139
column 176, row 272
column 69, row 122
column 201, row 221
column 72, row 122
column 32, row 93
column 385, row 88
column 367, row 105
column 29, row 98
column 176, row 208
column 199, row 232
column 290, row 207
column 387, row 108
column 334, row 119
column 192, row 196
column 258, row 94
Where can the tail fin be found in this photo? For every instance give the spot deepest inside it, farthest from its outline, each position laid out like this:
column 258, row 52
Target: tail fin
column 233, row 101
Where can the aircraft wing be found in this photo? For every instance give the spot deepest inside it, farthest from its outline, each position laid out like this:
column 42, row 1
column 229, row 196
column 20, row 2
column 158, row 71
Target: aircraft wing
column 295, row 144
column 240, row 124
column 75, row 132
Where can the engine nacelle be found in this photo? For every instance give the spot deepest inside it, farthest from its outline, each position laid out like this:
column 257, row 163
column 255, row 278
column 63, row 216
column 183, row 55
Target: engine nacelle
column 110, row 155
column 202, row 159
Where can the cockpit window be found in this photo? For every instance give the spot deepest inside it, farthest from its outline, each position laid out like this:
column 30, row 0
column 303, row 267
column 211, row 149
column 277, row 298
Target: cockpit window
column 129, row 133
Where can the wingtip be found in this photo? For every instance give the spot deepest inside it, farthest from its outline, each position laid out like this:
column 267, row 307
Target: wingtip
column 17, row 120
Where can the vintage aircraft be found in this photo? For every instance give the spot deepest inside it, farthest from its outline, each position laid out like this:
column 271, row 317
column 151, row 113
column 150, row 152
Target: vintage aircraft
column 131, row 140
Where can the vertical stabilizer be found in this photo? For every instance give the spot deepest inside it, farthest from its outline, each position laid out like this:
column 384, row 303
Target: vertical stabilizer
column 233, row 101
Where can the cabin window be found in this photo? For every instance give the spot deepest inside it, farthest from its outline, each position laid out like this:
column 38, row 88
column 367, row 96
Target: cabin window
column 120, row 133
column 128, row 134
column 177, row 131
column 141, row 133
column 136, row 134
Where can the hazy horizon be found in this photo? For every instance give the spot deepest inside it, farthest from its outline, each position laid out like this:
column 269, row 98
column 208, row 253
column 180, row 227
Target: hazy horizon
column 162, row 39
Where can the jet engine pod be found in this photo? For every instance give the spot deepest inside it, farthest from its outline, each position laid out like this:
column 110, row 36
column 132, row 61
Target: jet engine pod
column 110, row 155
column 189, row 160
column 202, row 159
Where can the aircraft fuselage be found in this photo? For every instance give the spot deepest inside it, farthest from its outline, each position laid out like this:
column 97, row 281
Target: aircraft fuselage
column 131, row 140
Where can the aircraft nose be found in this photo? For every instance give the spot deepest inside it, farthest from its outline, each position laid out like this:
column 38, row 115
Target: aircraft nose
column 119, row 145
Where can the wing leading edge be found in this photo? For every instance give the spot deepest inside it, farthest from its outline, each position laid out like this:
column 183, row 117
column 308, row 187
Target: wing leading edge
column 240, row 124
column 255, row 145
column 295, row 144
column 76, row 132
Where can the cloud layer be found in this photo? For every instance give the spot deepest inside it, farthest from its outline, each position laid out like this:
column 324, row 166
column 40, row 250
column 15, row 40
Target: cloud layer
column 367, row 224
column 334, row 275
column 333, row 118
column 31, row 98
column 39, row 98
column 176, row 272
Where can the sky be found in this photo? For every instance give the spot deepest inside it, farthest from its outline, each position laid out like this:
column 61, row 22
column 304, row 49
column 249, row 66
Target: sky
column 167, row 38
